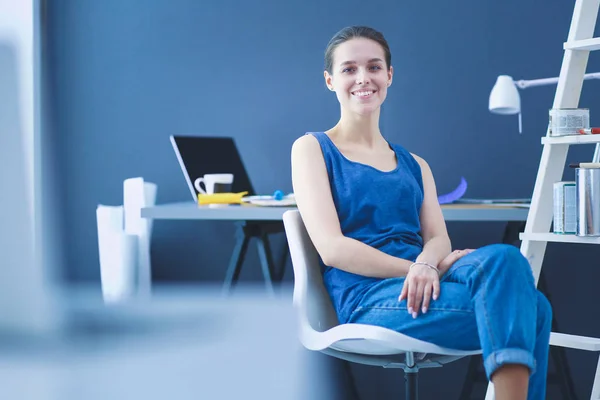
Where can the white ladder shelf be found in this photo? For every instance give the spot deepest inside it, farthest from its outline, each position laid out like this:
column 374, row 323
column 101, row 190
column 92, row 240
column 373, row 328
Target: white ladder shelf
column 537, row 233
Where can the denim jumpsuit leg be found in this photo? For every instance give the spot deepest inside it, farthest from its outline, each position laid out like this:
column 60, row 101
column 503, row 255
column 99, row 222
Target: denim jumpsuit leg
column 488, row 301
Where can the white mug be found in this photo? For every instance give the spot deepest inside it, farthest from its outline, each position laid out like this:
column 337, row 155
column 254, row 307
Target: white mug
column 214, row 183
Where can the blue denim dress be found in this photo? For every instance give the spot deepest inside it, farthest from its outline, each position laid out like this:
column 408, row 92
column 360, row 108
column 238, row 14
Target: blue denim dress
column 377, row 208
column 488, row 299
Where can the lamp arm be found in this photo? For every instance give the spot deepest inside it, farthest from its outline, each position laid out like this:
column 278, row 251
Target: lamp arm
column 523, row 84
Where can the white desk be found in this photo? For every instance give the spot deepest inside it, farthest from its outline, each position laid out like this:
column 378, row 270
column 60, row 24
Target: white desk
column 191, row 211
column 259, row 222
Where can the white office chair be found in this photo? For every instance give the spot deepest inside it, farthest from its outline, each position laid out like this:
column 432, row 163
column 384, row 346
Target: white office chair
column 365, row 344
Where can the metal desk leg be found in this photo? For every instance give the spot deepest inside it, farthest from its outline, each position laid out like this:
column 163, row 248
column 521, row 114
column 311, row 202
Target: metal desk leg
column 281, row 262
column 266, row 261
column 244, row 233
column 237, row 258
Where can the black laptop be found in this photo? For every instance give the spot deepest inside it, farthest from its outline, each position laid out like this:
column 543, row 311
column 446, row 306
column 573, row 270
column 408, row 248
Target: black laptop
column 199, row 156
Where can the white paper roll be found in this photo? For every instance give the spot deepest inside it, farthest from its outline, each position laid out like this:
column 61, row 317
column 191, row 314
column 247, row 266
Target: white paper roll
column 150, row 200
column 118, row 254
column 138, row 194
column 133, row 201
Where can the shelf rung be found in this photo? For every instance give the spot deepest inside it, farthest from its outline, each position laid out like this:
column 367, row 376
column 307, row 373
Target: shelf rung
column 586, row 44
column 575, row 341
column 572, row 139
column 561, row 238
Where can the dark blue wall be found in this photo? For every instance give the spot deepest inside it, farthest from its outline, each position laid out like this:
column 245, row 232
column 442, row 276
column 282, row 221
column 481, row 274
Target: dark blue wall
column 123, row 75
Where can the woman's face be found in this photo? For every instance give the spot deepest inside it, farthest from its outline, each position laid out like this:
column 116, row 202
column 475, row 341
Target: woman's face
column 360, row 76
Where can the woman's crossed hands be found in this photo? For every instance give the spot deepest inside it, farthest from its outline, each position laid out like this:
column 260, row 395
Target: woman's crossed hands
column 422, row 283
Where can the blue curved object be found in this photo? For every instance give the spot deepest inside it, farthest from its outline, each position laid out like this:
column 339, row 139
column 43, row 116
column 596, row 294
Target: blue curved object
column 454, row 195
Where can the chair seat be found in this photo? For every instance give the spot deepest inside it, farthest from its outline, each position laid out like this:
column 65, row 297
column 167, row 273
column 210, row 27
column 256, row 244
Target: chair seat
column 372, row 340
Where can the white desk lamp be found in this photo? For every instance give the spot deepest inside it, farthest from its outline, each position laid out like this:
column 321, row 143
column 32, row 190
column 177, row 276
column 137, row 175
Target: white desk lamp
column 505, row 99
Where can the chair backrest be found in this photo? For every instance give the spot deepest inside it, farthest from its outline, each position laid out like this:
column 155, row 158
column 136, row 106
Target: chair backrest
column 312, row 302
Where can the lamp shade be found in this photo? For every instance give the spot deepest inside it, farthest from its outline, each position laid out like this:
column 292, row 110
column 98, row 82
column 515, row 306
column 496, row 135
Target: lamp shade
column 504, row 98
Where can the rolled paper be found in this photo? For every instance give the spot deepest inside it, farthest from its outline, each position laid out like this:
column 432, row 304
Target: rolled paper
column 118, row 254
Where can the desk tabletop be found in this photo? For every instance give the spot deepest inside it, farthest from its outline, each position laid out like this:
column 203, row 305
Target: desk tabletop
column 246, row 212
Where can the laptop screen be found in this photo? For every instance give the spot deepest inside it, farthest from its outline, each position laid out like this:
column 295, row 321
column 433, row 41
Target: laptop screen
column 199, row 156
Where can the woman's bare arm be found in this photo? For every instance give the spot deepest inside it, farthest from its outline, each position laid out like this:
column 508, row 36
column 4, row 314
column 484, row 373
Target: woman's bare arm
column 433, row 227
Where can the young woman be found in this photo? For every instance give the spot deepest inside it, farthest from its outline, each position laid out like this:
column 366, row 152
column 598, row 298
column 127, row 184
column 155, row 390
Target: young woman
column 371, row 210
